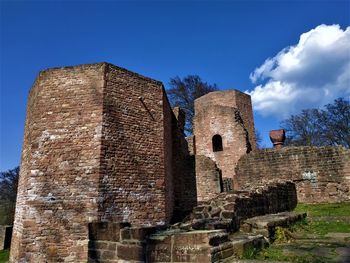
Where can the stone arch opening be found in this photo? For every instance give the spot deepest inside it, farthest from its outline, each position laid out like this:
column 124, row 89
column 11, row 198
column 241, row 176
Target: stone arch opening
column 217, row 143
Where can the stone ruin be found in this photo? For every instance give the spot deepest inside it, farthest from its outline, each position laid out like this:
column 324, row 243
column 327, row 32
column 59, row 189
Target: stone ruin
column 107, row 174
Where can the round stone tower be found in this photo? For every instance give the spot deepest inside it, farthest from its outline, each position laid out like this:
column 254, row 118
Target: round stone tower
column 224, row 130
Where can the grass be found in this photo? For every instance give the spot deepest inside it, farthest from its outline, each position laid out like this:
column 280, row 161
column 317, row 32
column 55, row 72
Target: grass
column 280, row 250
column 338, row 209
column 250, row 253
column 321, row 228
column 275, row 253
column 4, row 255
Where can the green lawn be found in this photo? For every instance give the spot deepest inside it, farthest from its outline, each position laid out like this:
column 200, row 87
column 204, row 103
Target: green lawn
column 321, row 219
column 338, row 209
column 275, row 253
column 321, row 228
column 4, row 255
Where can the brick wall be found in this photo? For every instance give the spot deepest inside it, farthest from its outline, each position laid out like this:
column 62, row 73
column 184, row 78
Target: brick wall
column 321, row 174
column 118, row 242
column 59, row 176
column 182, row 242
column 97, row 147
column 208, row 179
column 135, row 165
column 232, row 208
column 185, row 192
column 244, row 105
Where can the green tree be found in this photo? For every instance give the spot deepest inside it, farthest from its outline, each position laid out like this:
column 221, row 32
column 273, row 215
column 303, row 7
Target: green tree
column 8, row 194
column 183, row 92
column 320, row 127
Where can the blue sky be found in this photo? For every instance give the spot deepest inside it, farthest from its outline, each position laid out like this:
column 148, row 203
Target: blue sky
column 224, row 42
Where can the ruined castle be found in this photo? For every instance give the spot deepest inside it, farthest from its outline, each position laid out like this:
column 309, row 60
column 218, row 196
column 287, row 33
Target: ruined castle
column 105, row 165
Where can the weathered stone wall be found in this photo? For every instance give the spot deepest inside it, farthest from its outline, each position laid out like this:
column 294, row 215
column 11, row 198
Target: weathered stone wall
column 208, row 179
column 191, row 145
column 244, row 105
column 231, row 98
column 321, row 174
column 218, row 113
column 95, row 149
column 189, row 246
column 59, row 176
column 203, row 237
column 135, row 164
column 233, row 207
column 220, row 120
column 185, row 192
column 118, row 242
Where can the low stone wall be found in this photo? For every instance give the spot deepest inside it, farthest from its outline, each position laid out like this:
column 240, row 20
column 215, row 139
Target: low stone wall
column 321, row 174
column 148, row 245
column 232, row 208
column 115, row 242
column 203, row 237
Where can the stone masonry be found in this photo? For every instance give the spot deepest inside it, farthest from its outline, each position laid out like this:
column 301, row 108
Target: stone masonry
column 321, row 174
column 107, row 174
column 209, row 180
column 228, row 117
column 202, row 237
column 96, row 148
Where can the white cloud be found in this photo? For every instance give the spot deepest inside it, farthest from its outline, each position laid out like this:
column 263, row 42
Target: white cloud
column 310, row 74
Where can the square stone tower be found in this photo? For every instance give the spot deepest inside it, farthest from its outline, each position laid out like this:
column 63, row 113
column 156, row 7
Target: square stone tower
column 95, row 149
column 223, row 131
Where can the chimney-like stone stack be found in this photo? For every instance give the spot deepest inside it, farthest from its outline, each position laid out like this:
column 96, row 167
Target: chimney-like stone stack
column 277, row 138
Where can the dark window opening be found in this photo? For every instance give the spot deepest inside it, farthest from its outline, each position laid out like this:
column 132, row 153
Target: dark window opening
column 217, row 143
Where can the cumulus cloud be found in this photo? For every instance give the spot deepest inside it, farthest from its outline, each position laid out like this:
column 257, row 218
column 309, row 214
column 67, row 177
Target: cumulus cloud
column 309, row 74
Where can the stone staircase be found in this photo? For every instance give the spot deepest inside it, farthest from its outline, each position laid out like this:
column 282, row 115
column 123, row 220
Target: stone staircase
column 216, row 245
column 200, row 246
column 218, row 230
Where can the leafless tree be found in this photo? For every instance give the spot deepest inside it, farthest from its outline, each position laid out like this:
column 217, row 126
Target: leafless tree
column 183, row 92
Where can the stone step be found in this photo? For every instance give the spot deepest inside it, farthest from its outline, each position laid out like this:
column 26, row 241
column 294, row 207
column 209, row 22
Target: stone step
column 243, row 242
column 205, row 224
column 220, row 224
column 188, row 246
column 201, row 245
column 222, row 252
column 267, row 224
column 217, row 238
column 237, row 245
